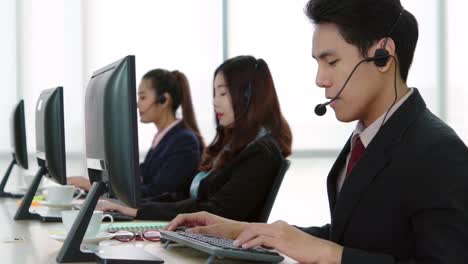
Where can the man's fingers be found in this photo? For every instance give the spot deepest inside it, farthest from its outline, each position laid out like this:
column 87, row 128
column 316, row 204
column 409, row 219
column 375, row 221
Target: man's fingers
column 194, row 219
column 252, row 231
column 259, row 241
column 176, row 222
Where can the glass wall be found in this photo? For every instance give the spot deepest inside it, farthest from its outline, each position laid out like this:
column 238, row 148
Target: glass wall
column 50, row 55
column 178, row 34
column 7, row 71
column 457, row 88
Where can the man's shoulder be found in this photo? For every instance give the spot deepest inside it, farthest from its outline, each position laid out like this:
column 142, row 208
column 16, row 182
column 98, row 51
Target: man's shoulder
column 429, row 130
column 436, row 158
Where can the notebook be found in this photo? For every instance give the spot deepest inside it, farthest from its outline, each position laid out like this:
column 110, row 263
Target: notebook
column 137, row 227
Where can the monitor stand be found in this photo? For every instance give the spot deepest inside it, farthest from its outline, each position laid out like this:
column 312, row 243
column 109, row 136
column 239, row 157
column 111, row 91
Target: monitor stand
column 71, row 250
column 23, row 210
column 4, row 194
column 49, row 216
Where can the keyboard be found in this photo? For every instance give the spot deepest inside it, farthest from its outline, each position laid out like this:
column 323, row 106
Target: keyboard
column 220, row 247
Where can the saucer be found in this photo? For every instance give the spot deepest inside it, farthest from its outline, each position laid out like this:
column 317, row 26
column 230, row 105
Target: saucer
column 25, row 188
column 99, row 237
column 54, row 205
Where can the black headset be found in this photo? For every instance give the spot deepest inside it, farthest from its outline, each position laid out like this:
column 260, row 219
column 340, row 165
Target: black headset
column 247, row 98
column 161, row 99
column 381, row 56
column 380, row 59
column 248, row 89
column 165, row 87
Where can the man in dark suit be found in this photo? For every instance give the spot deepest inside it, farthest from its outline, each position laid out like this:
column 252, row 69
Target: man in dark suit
column 398, row 191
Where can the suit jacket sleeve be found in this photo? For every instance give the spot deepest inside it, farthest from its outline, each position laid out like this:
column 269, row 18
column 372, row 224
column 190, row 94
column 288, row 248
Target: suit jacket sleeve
column 178, row 167
column 440, row 219
column 322, row 232
column 238, row 198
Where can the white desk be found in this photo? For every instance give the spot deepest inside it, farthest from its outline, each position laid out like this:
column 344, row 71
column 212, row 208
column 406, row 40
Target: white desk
column 38, row 248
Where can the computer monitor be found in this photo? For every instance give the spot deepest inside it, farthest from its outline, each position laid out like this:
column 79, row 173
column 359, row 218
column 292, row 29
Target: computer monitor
column 111, row 130
column 19, row 146
column 111, row 147
column 50, row 149
column 50, row 134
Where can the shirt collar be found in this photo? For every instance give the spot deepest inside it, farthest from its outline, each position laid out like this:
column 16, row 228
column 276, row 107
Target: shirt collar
column 160, row 135
column 368, row 133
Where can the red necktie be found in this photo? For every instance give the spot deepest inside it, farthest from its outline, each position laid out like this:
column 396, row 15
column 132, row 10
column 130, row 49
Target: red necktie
column 356, row 153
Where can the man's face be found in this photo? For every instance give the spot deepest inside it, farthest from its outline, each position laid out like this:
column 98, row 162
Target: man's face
column 336, row 59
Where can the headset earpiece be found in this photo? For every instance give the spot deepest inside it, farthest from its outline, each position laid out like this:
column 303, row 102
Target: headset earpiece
column 381, row 57
column 161, row 99
column 248, row 93
column 248, row 89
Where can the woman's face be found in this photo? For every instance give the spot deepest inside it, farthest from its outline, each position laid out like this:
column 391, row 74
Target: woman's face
column 147, row 108
column 222, row 101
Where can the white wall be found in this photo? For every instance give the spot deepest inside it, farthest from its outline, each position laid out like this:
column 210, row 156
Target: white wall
column 8, row 88
column 424, row 71
column 457, row 70
column 50, row 55
column 179, row 34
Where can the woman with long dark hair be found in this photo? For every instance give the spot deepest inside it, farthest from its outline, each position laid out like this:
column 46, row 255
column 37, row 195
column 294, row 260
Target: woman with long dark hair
column 239, row 166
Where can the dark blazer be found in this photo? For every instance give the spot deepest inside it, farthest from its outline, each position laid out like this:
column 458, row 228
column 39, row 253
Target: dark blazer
column 406, row 200
column 171, row 166
column 238, row 191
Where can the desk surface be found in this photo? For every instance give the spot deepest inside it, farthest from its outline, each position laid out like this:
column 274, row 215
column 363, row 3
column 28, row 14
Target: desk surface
column 36, row 247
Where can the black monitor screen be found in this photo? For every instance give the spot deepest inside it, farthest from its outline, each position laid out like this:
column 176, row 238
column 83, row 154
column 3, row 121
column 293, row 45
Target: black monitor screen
column 50, row 134
column 111, row 129
column 18, row 135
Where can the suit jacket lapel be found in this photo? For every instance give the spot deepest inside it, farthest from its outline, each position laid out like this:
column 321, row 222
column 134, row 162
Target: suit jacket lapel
column 372, row 161
column 376, row 157
column 334, row 173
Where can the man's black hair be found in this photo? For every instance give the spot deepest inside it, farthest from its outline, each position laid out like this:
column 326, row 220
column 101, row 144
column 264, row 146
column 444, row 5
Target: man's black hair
column 364, row 22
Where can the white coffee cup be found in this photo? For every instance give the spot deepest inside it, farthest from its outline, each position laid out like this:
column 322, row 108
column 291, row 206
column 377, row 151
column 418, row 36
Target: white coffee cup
column 69, row 216
column 61, row 194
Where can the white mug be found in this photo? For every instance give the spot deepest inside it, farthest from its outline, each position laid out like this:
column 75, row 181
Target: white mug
column 61, row 194
column 69, row 216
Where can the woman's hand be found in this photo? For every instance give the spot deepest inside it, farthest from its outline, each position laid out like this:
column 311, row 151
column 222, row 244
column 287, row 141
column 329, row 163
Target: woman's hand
column 80, row 182
column 104, row 205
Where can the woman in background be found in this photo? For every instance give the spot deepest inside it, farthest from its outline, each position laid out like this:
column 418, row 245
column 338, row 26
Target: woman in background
column 175, row 153
column 241, row 163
